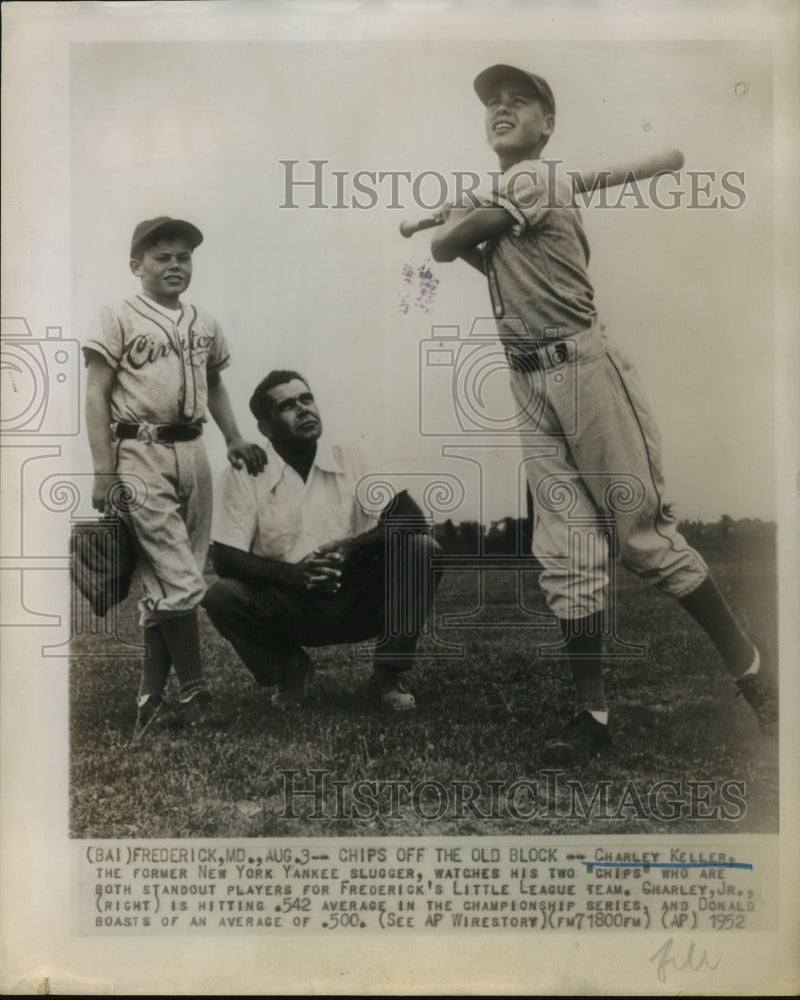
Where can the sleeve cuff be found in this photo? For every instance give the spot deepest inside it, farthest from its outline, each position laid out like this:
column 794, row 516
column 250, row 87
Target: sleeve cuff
column 98, row 348
column 516, row 213
column 218, row 366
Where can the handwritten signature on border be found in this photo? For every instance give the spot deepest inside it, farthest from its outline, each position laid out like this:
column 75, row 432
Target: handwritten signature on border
column 693, row 961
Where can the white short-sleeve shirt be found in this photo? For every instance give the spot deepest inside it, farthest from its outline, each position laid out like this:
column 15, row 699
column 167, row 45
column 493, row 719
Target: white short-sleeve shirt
column 276, row 515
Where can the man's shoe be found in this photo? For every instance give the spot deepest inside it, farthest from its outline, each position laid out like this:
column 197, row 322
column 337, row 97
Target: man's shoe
column 761, row 699
column 199, row 711
column 390, row 688
column 293, row 686
column 581, row 739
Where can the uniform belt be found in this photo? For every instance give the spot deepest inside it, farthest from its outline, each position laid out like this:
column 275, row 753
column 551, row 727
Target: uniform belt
column 548, row 354
column 160, row 433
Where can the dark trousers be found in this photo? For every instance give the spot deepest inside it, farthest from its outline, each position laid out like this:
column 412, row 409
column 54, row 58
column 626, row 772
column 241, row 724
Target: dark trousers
column 388, row 597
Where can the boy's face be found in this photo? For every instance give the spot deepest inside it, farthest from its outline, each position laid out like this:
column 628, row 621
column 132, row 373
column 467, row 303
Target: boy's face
column 517, row 124
column 294, row 419
column 165, row 269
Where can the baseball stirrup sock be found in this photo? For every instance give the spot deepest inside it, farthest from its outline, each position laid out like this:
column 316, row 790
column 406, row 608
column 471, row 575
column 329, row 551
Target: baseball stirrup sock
column 156, row 664
column 584, row 644
column 709, row 609
column 182, row 636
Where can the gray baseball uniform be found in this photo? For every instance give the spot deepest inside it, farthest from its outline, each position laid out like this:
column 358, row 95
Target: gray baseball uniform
column 582, row 398
column 161, row 358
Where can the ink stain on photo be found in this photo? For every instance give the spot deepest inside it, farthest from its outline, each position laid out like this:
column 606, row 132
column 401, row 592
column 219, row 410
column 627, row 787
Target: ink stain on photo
column 420, row 285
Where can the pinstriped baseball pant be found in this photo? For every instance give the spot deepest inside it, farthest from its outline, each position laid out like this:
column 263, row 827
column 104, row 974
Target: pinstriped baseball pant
column 593, row 463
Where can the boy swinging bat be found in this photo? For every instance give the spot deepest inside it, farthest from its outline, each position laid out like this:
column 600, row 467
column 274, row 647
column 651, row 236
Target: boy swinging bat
column 528, row 239
column 585, row 181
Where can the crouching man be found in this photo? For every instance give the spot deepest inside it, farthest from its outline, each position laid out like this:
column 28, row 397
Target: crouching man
column 301, row 564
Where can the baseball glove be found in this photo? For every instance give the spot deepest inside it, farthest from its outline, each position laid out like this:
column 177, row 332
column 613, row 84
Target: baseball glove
column 103, row 558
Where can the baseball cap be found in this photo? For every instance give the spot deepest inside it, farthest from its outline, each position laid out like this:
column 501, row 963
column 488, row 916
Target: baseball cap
column 486, row 81
column 150, row 227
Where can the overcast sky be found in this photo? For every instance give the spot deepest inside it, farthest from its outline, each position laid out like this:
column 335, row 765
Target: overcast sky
column 198, row 130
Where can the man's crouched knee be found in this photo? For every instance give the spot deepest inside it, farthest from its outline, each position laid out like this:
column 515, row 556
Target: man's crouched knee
column 222, row 597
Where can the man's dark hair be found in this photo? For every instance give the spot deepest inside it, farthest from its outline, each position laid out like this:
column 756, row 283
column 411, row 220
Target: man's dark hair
column 260, row 403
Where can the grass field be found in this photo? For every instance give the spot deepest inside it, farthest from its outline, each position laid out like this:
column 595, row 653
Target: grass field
column 480, row 718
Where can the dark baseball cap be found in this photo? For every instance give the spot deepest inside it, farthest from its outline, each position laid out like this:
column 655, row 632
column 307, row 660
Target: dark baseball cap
column 151, row 227
column 486, row 82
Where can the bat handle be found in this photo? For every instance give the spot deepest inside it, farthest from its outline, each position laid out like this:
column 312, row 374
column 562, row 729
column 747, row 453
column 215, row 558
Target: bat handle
column 409, row 228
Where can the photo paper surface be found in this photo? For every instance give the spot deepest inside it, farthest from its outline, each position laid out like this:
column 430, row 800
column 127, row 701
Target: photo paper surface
column 411, row 835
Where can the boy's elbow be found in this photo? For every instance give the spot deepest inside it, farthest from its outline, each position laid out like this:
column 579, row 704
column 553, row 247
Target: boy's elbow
column 441, row 251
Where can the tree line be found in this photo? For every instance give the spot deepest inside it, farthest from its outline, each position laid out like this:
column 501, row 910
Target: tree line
column 512, row 535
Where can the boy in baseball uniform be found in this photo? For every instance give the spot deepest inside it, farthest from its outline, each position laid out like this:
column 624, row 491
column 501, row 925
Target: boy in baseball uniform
column 591, row 445
column 154, row 369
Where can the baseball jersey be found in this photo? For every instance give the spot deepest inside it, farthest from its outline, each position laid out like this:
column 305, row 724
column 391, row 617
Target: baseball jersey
column 276, row 515
column 161, row 358
column 537, row 274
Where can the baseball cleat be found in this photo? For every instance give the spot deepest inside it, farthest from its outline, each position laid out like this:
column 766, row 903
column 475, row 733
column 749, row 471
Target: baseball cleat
column 293, row 687
column 157, row 713
column 390, row 688
column 199, row 710
column 581, row 739
column 761, row 699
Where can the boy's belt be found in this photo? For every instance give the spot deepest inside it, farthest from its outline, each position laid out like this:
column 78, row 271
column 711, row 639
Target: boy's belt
column 160, row 433
column 548, row 354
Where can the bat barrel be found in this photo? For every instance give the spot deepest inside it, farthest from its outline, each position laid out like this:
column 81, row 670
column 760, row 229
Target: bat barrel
column 639, row 170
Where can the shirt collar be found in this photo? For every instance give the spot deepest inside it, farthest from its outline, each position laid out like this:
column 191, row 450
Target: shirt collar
column 170, row 313
column 324, row 460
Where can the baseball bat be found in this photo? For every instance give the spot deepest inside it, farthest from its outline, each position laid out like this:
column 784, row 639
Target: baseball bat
column 639, row 170
column 409, row 228
column 586, row 180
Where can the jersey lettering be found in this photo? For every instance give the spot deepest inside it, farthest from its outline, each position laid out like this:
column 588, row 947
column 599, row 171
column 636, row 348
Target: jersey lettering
column 144, row 350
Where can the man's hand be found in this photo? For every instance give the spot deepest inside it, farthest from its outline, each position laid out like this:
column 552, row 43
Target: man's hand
column 342, row 549
column 252, row 456
column 323, row 569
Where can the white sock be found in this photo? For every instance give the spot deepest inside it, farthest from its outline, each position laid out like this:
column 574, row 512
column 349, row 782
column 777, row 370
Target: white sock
column 601, row 717
column 753, row 668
